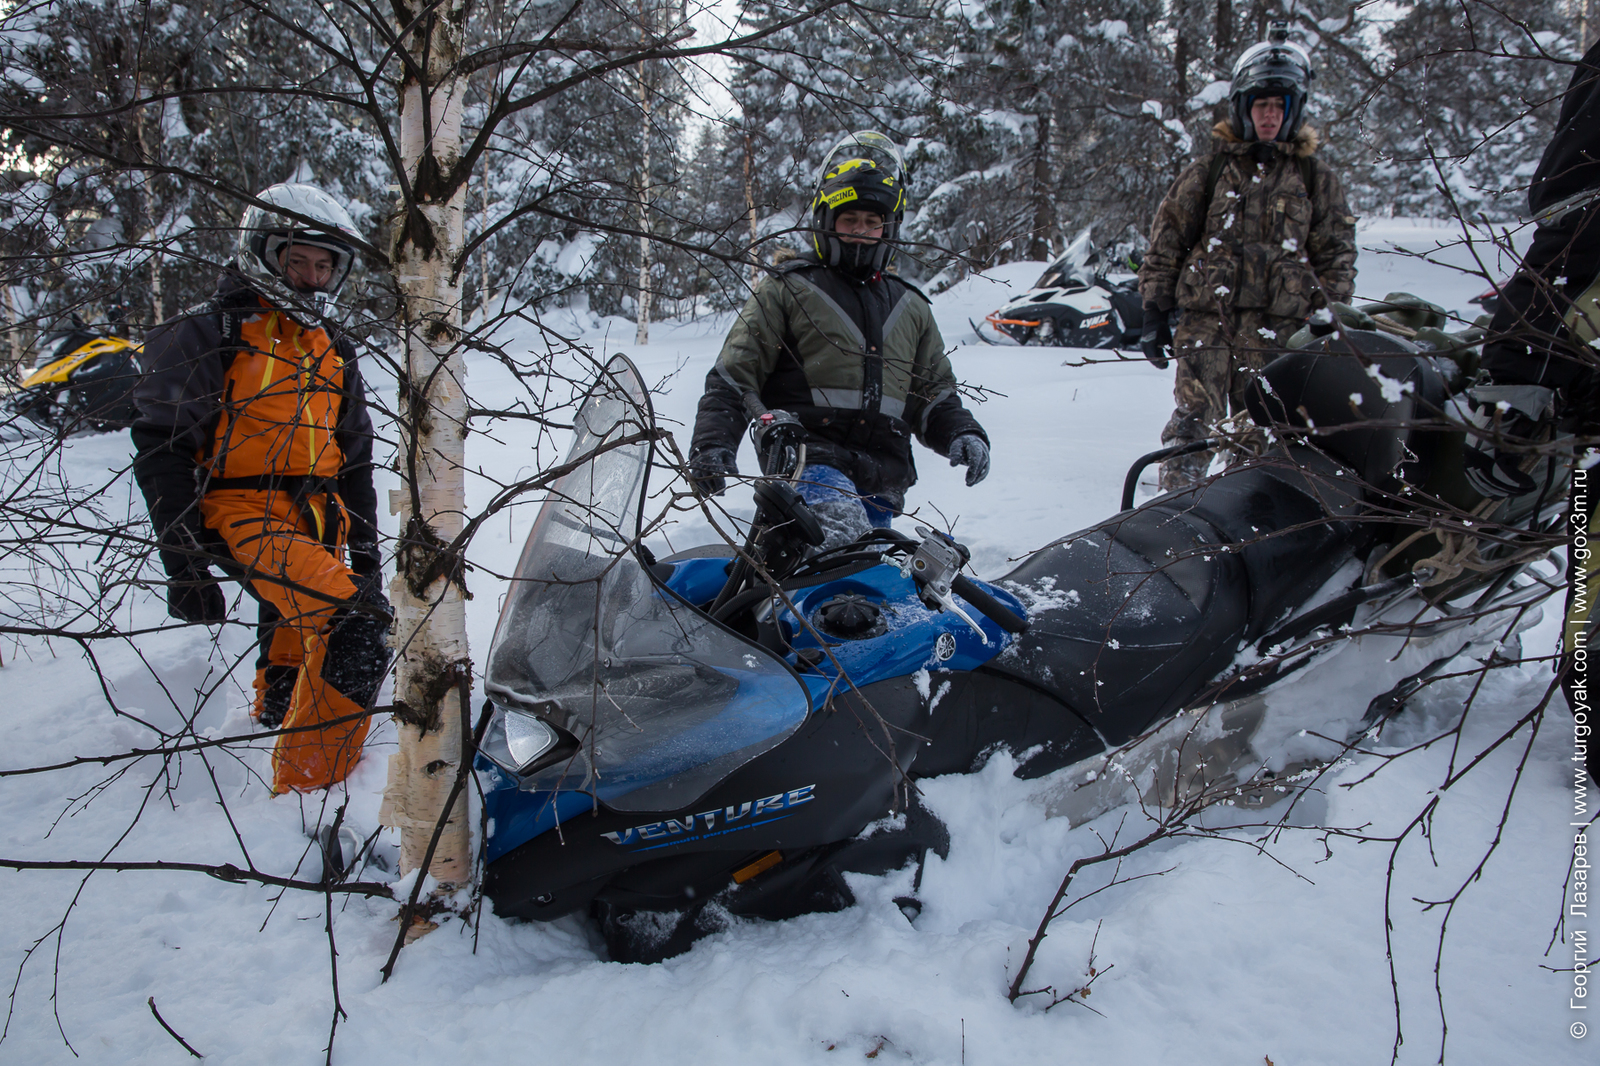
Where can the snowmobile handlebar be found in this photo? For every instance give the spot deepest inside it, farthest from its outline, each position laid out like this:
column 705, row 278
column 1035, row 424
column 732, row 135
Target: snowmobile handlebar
column 992, row 609
column 936, row 568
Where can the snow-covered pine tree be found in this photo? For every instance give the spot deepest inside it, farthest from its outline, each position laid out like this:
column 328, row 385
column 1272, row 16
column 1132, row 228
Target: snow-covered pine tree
column 1054, row 117
column 1457, row 104
column 132, row 132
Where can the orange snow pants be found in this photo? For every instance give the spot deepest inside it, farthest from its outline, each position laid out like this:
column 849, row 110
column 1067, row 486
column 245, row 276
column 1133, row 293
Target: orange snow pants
column 289, row 563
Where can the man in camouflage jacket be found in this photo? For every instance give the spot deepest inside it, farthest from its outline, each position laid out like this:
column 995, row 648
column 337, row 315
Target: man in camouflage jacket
column 833, row 352
column 1248, row 242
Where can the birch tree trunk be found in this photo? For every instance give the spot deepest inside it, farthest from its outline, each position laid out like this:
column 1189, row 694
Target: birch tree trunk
column 750, row 209
column 646, row 31
column 13, row 373
column 430, row 634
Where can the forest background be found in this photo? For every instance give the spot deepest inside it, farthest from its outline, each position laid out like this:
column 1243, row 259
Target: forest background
column 523, row 170
column 658, row 149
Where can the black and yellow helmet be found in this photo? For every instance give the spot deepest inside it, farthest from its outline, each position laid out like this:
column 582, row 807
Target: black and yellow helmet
column 859, row 183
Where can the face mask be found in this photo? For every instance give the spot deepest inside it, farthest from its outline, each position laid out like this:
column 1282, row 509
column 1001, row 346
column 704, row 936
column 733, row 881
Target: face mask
column 858, row 260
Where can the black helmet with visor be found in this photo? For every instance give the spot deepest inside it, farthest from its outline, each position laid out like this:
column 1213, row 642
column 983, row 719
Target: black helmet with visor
column 1275, row 67
column 873, row 180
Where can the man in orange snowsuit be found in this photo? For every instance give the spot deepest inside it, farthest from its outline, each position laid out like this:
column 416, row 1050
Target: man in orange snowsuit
column 254, row 454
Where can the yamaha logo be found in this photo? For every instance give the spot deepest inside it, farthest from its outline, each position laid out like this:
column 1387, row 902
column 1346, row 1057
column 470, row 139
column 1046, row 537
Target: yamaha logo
column 944, row 647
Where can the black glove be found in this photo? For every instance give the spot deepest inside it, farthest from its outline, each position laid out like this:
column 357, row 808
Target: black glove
column 778, row 436
column 365, row 559
column 366, row 562
column 195, row 597
column 1507, row 419
column 970, row 451
column 1156, row 340
column 192, row 591
column 710, row 469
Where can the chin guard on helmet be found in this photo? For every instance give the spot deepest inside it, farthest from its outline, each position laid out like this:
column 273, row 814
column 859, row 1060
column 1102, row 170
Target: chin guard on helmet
column 1275, row 67
column 871, row 176
column 301, row 215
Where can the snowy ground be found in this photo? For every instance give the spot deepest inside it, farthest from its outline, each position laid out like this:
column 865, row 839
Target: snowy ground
column 1230, row 956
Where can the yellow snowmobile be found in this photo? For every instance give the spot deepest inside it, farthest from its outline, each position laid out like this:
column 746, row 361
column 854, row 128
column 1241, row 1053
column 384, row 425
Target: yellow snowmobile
column 82, row 383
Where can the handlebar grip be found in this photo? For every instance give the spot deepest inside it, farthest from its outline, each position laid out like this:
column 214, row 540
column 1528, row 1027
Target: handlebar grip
column 993, row 609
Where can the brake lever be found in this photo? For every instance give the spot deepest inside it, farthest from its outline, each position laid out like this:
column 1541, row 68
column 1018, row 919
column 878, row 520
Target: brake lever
column 949, row 604
column 933, row 567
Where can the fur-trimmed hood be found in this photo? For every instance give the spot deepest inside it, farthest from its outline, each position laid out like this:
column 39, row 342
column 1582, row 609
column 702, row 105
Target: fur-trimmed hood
column 1305, row 142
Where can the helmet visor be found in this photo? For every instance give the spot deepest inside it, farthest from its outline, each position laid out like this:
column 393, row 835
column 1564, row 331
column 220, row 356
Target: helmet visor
column 278, row 256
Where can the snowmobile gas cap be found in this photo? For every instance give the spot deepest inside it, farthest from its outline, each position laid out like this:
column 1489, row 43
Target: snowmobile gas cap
column 809, row 658
column 852, row 617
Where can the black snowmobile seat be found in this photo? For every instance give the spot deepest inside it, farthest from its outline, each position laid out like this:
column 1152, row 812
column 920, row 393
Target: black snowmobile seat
column 1293, row 518
column 1132, row 619
column 1125, row 614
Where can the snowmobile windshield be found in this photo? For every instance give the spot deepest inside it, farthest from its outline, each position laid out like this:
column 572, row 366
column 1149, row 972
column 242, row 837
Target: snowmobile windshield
column 664, row 703
column 1075, row 268
column 60, row 345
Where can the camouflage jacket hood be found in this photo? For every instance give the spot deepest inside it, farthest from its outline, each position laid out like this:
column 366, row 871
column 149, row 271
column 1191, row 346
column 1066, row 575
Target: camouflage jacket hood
column 1263, row 240
column 1303, row 145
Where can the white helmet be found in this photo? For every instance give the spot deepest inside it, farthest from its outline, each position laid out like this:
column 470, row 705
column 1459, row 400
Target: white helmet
column 305, row 215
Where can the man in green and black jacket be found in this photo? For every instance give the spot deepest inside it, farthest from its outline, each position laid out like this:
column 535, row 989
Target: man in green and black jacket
column 834, row 353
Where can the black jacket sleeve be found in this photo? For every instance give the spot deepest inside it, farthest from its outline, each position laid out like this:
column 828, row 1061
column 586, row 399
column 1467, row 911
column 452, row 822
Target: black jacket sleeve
column 947, row 420
column 1528, row 342
column 355, row 436
column 1571, row 161
column 721, row 417
column 166, row 478
column 177, row 401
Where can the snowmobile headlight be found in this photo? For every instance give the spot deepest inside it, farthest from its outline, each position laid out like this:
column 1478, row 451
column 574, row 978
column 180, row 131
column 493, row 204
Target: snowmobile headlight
column 527, row 737
column 515, row 739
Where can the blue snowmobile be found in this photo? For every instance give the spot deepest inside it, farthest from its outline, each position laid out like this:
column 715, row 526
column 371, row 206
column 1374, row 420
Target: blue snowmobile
column 729, row 730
